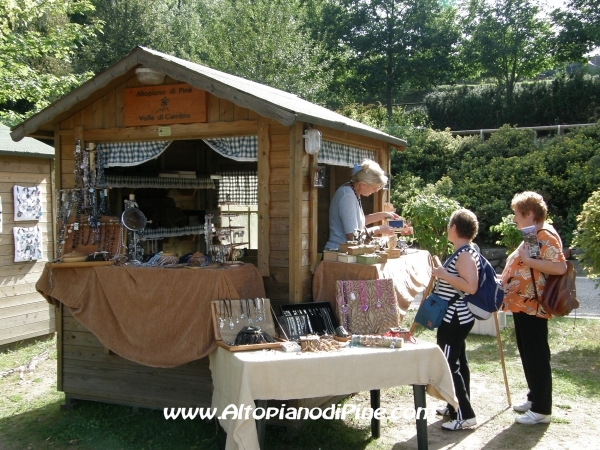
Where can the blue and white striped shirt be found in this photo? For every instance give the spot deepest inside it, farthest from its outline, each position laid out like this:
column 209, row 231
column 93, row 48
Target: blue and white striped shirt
column 449, row 293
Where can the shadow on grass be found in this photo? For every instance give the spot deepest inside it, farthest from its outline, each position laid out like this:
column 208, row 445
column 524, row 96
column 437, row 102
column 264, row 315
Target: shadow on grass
column 519, row 436
column 318, row 434
column 95, row 426
column 579, row 366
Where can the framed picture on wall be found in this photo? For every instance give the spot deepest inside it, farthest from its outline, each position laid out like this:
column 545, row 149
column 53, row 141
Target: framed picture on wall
column 319, row 176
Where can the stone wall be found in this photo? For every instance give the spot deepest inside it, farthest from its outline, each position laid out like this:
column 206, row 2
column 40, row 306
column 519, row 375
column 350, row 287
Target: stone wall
column 496, row 257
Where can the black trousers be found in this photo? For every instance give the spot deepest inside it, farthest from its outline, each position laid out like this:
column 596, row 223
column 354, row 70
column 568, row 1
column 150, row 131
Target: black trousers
column 451, row 339
column 532, row 341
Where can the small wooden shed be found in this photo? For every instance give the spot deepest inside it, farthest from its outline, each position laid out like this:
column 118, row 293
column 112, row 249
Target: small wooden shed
column 213, row 123
column 292, row 214
column 24, row 314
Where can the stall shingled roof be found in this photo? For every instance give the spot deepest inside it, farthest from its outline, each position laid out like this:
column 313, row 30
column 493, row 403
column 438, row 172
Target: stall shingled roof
column 269, row 102
column 27, row 147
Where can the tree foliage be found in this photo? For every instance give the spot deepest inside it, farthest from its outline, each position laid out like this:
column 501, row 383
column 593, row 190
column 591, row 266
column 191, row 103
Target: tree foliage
column 485, row 175
column 508, row 40
column 587, row 239
column 393, row 44
column 430, row 214
column 579, row 28
column 37, row 43
column 262, row 40
column 564, row 100
column 127, row 23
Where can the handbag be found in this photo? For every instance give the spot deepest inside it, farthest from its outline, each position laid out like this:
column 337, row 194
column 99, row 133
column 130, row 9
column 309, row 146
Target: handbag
column 367, row 306
column 431, row 311
column 559, row 297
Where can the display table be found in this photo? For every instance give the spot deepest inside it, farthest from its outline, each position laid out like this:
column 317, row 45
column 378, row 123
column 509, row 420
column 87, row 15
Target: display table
column 241, row 378
column 411, row 274
column 154, row 316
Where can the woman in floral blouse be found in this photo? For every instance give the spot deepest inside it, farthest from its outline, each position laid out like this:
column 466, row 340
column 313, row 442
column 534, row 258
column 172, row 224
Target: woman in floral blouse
column 531, row 321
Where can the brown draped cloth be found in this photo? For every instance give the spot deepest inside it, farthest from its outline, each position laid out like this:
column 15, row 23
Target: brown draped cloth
column 411, row 274
column 154, row 316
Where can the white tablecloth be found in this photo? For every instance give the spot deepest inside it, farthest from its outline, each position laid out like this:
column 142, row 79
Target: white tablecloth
column 239, row 378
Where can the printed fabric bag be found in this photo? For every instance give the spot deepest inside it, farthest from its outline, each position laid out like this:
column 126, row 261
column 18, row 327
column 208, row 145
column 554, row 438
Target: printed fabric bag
column 367, row 306
column 431, row 311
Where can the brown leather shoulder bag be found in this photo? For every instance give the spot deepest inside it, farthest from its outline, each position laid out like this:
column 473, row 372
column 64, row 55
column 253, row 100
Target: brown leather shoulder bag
column 559, row 297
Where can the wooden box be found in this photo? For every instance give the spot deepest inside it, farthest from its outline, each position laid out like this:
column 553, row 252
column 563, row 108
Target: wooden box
column 367, row 258
column 394, row 253
column 344, row 247
column 229, row 312
column 355, row 250
column 330, row 255
column 383, row 256
column 346, row 258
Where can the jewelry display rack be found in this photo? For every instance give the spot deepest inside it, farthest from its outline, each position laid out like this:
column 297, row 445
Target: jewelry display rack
column 301, row 319
column 230, row 316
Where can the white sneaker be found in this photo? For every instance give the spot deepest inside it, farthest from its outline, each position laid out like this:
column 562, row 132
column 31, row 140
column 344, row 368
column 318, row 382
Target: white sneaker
column 531, row 418
column 443, row 411
column 523, row 407
column 453, row 425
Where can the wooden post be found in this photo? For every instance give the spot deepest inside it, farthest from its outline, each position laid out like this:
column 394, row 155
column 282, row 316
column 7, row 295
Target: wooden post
column 264, row 200
column 314, row 216
column 295, row 214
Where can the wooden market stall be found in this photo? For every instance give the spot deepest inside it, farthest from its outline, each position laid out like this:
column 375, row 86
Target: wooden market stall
column 28, row 165
column 221, row 129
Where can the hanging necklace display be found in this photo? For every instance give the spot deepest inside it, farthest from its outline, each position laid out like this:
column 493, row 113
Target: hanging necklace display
column 221, row 319
column 249, row 311
column 259, row 317
column 134, row 220
column 79, row 196
column 28, row 203
column 242, row 316
column 66, row 200
column 231, row 325
column 100, row 184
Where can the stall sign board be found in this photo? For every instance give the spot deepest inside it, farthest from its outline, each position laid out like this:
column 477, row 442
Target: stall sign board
column 164, row 104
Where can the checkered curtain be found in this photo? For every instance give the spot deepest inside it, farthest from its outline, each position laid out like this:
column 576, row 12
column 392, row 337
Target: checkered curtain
column 125, row 154
column 238, row 148
column 239, row 187
column 116, row 181
column 342, row 155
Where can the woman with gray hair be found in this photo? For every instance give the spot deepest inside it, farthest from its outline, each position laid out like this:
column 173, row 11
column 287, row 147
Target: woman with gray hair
column 346, row 213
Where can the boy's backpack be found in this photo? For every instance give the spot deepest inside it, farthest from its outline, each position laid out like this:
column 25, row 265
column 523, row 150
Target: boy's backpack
column 489, row 295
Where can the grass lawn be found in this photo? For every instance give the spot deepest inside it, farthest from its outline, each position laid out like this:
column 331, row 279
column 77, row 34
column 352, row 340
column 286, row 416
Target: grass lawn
column 31, row 418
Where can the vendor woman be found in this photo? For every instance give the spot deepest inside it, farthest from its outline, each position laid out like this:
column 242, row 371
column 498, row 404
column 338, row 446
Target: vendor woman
column 346, row 213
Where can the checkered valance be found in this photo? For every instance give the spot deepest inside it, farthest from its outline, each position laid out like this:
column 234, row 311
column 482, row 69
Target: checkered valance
column 164, row 232
column 337, row 154
column 125, row 154
column 117, row 181
column 238, row 187
column 238, row 148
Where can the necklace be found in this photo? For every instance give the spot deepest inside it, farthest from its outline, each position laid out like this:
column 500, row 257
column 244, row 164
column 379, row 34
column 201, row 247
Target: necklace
column 249, row 311
column 221, row 319
column 362, row 294
column 85, row 241
column 231, row 325
column 357, row 196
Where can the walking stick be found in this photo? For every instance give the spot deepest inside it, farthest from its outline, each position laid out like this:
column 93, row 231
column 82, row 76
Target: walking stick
column 502, row 358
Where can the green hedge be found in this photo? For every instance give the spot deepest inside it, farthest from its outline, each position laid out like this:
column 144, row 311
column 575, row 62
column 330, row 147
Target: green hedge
column 486, row 175
column 565, row 100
